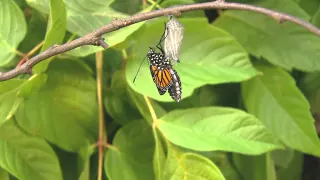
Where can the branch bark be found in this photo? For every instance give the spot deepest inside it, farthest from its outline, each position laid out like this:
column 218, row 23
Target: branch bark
column 94, row 38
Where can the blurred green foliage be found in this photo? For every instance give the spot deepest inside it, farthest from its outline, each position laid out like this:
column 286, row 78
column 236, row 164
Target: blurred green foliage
column 242, row 115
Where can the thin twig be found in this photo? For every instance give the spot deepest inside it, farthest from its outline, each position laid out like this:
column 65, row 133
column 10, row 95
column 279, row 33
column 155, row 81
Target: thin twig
column 101, row 140
column 94, row 37
column 30, row 53
column 23, row 60
column 36, row 48
column 103, row 44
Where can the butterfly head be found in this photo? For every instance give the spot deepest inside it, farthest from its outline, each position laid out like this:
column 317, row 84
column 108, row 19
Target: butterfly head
column 151, row 54
column 151, row 50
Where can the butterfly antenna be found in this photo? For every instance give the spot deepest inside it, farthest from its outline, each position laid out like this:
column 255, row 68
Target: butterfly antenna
column 134, row 79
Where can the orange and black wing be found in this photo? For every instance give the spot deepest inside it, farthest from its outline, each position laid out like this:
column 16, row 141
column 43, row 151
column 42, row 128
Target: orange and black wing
column 162, row 78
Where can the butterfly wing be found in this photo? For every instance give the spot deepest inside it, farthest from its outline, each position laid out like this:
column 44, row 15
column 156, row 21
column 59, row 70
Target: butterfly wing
column 175, row 89
column 162, row 78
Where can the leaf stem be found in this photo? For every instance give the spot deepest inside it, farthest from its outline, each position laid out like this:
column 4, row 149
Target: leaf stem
column 102, row 139
column 124, row 59
column 152, row 112
column 19, row 53
column 36, row 48
column 30, row 53
column 155, row 3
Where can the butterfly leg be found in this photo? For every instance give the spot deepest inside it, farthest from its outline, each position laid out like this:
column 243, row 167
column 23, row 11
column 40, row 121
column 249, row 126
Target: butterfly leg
column 163, row 37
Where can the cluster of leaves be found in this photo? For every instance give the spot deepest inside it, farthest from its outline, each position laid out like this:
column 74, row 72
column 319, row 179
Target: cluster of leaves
column 244, row 114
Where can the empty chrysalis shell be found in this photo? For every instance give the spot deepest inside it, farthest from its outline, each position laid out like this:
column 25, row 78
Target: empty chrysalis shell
column 173, row 40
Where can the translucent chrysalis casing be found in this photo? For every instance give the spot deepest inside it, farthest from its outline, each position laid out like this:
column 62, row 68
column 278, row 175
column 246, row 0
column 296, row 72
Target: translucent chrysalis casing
column 173, row 39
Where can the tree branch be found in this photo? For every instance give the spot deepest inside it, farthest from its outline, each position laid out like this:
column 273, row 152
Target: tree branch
column 94, row 38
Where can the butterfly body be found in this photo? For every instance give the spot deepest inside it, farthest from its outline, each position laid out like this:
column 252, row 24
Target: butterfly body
column 175, row 89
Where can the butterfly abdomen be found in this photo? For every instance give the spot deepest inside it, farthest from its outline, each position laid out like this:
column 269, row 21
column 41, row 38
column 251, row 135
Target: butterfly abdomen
column 175, row 89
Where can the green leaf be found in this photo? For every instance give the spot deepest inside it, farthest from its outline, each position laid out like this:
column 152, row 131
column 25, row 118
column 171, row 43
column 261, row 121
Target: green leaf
column 21, row 3
column 279, row 104
column 33, row 84
column 85, row 174
column 4, row 174
column 228, row 168
column 118, row 107
column 68, row 161
column 255, row 167
column 294, row 170
column 8, row 98
column 83, row 51
column 209, row 95
column 55, row 30
column 42, row 6
column 117, row 102
column 86, row 16
column 112, row 63
column 139, row 101
column 84, row 162
column 263, row 37
column 189, row 166
column 113, row 39
column 132, row 156
column 311, row 89
column 316, row 18
column 282, row 158
column 209, row 56
column 310, row 6
column 26, row 156
column 217, row 128
column 36, row 32
column 73, row 164
column 64, row 110
column 13, row 30
column 128, row 7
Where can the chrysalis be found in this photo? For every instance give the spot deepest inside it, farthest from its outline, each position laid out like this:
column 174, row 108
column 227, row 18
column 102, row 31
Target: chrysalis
column 173, row 39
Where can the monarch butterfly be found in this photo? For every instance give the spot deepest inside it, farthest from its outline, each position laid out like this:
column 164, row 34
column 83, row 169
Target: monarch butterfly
column 163, row 75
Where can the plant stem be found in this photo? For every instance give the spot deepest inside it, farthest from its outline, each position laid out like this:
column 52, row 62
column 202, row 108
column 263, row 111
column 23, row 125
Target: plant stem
column 36, row 48
column 30, row 53
column 102, row 139
column 155, row 3
column 21, row 54
column 152, row 112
